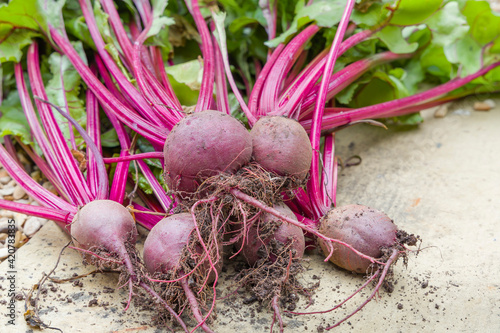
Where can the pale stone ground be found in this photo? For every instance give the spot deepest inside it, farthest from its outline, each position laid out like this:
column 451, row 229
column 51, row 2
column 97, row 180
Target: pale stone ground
column 441, row 181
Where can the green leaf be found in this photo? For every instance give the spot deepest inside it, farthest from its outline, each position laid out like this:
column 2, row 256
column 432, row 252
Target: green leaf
column 101, row 19
column 467, row 53
column 373, row 15
column 13, row 121
column 241, row 22
column 485, row 25
column 414, row 74
column 326, row 13
column 143, row 182
column 11, row 47
column 64, row 87
column 21, row 21
column 186, row 80
column 110, row 138
column 411, row 12
column 146, row 147
column 381, row 88
column 422, row 35
column 392, row 37
column 78, row 28
column 346, row 95
column 188, row 73
column 20, row 14
column 413, row 119
column 495, row 48
column 159, row 20
column 397, row 72
column 434, row 61
column 447, row 25
column 159, row 33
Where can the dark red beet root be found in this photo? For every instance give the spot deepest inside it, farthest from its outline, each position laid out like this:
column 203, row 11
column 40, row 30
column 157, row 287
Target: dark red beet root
column 165, row 243
column 104, row 224
column 366, row 229
column 281, row 145
column 202, row 145
column 285, row 233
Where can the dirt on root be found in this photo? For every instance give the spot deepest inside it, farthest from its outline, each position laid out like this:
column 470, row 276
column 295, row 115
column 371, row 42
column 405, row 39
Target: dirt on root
column 275, row 277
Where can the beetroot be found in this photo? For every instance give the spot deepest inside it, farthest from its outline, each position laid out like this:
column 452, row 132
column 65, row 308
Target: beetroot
column 202, row 145
column 166, row 241
column 274, row 248
column 281, row 145
column 105, row 225
column 366, row 229
column 366, row 241
column 268, row 228
column 167, row 252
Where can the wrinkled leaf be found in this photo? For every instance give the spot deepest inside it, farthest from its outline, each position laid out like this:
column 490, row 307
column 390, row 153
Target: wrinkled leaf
column 447, row 25
column 466, row 53
column 381, row 88
column 413, row 119
column 326, row 13
column 188, row 73
column 11, row 47
column 393, row 38
column 186, row 80
column 159, row 20
column 13, row 121
column 434, row 61
column 78, row 28
column 346, row 95
column 110, row 138
column 373, row 15
column 485, row 25
column 410, row 12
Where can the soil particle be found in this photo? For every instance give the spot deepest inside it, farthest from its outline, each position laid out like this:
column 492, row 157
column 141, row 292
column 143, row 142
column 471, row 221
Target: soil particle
column 78, row 283
column 108, row 290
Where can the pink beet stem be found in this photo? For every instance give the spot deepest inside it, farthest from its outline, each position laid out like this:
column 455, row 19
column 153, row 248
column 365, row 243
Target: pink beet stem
column 314, row 182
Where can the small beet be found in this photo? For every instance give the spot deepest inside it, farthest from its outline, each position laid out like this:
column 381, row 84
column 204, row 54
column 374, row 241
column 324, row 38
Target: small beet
column 165, row 252
column 284, row 233
column 104, row 224
column 166, row 241
column 281, row 145
column 365, row 229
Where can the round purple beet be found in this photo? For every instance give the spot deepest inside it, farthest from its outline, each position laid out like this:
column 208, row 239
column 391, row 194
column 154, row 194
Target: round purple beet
column 202, row 145
column 166, row 241
column 164, row 246
column 103, row 224
column 365, row 229
column 284, row 234
column 281, row 145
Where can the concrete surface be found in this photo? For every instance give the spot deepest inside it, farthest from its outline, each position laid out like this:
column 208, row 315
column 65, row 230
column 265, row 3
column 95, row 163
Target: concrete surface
column 441, row 181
